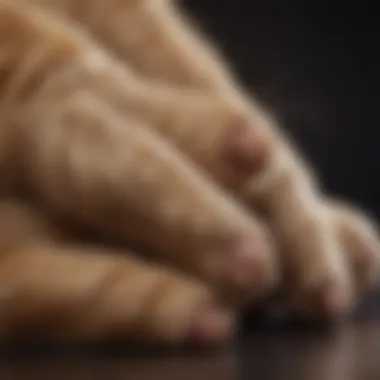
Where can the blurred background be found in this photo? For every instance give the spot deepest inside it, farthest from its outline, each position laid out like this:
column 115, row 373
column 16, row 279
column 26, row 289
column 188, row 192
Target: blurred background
column 316, row 65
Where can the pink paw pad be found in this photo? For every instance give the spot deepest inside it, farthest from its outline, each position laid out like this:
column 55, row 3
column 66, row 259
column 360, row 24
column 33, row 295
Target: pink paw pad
column 245, row 151
column 250, row 268
column 212, row 324
column 330, row 300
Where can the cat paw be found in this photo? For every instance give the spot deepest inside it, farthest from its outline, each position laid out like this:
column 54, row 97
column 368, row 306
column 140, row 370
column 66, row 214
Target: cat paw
column 358, row 235
column 358, row 254
column 327, row 251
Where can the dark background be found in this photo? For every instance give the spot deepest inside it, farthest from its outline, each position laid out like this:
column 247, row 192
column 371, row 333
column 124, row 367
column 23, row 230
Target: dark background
column 315, row 64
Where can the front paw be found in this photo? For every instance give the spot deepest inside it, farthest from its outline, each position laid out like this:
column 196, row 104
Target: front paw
column 329, row 283
column 358, row 236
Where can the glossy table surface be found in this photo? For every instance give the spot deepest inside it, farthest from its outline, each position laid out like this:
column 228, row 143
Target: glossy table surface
column 265, row 352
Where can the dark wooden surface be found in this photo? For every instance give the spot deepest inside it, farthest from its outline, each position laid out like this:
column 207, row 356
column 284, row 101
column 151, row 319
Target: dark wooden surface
column 352, row 353
column 264, row 351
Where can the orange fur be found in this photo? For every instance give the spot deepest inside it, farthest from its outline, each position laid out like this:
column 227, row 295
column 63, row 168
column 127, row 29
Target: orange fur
column 64, row 290
column 117, row 116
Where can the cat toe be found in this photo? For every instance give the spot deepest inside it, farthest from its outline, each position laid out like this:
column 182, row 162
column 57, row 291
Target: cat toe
column 245, row 150
column 211, row 324
column 250, row 269
column 358, row 235
column 328, row 300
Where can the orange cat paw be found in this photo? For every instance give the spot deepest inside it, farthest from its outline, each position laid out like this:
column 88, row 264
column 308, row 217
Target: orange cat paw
column 361, row 241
